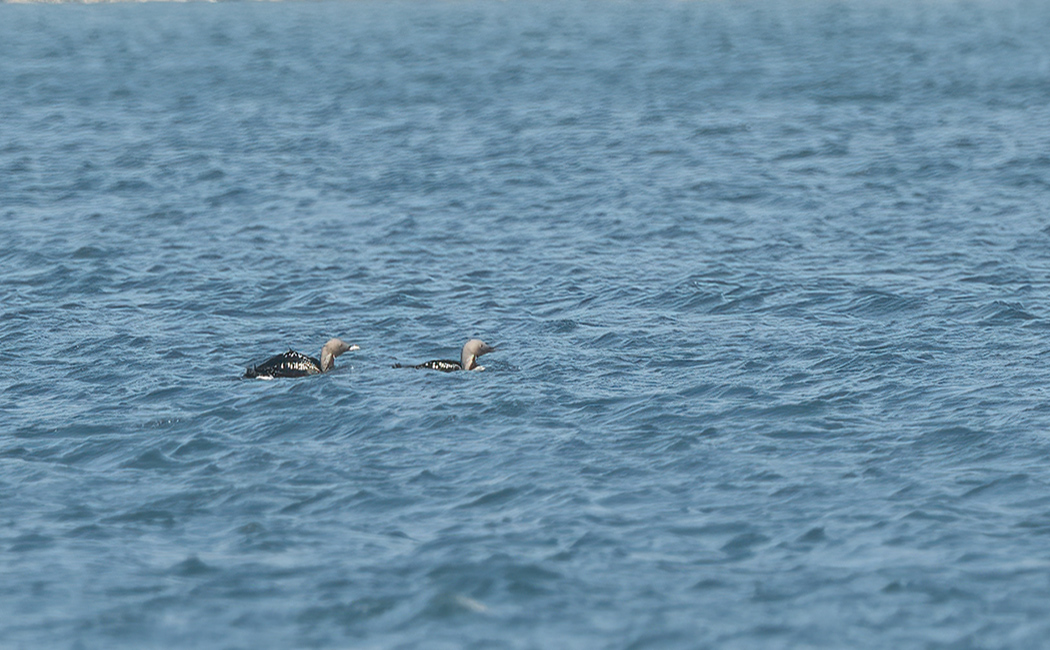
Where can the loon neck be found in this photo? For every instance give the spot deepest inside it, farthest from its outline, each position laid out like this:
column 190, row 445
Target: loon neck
column 474, row 348
column 332, row 349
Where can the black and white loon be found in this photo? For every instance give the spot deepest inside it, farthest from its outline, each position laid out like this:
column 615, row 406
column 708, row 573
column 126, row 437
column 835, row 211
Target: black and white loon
column 297, row 364
column 468, row 359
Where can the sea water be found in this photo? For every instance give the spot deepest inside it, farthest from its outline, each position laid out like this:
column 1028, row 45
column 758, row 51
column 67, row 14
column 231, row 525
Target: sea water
column 769, row 282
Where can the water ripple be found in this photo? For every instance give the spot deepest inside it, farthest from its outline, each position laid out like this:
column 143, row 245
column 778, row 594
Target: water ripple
column 766, row 278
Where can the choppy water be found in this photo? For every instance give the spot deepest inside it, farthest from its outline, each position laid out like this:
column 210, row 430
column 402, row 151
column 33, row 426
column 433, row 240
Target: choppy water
column 770, row 279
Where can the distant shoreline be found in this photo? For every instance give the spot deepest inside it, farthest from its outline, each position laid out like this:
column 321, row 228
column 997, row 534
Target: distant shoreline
column 106, row 2
column 96, row 2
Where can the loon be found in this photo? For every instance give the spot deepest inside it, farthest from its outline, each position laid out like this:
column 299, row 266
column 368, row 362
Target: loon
column 468, row 359
column 297, row 364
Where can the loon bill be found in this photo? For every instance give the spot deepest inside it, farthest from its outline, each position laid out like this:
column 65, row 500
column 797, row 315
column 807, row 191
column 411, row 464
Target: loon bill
column 468, row 359
column 297, row 364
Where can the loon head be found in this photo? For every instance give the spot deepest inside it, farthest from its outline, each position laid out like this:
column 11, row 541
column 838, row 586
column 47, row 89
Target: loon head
column 331, row 350
column 471, row 351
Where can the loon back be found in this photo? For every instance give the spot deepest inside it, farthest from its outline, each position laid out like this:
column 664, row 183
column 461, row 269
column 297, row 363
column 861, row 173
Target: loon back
column 289, row 364
column 444, row 365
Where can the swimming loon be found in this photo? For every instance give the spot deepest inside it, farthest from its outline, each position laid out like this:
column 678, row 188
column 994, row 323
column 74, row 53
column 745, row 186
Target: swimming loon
column 468, row 359
column 297, row 364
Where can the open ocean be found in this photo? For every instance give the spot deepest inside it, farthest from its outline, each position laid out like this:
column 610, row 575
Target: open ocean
column 770, row 279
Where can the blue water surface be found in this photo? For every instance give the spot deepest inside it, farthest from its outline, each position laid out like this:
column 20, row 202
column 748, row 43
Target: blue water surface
column 770, row 282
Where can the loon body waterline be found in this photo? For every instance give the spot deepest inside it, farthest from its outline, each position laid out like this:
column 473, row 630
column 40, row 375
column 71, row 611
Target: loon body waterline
column 297, row 364
column 468, row 359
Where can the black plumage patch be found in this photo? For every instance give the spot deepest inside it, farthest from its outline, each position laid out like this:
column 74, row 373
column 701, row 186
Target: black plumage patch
column 444, row 365
column 289, row 364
